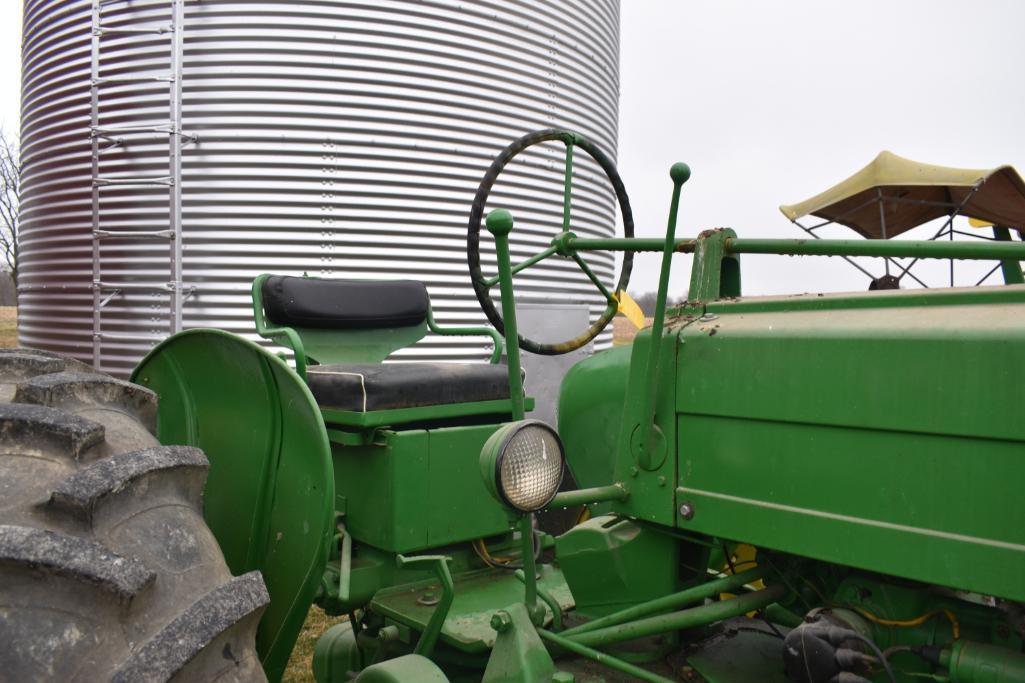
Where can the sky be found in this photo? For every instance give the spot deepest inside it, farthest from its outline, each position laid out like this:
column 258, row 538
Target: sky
column 772, row 102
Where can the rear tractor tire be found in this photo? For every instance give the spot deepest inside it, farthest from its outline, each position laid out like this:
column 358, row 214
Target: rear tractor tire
column 107, row 569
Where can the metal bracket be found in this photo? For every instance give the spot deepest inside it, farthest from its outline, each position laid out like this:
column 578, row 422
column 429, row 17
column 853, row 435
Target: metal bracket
column 429, row 638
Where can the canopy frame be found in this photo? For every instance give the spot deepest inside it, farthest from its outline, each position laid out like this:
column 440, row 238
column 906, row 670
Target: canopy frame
column 890, row 171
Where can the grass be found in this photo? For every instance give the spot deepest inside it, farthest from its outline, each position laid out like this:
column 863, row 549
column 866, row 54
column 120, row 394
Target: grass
column 300, row 664
column 8, row 327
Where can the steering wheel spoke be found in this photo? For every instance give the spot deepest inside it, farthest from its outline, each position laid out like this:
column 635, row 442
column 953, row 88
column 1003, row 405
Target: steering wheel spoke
column 593, row 278
column 490, row 282
column 561, row 244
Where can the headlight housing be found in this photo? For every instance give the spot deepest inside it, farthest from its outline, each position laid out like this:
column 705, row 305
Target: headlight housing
column 522, row 464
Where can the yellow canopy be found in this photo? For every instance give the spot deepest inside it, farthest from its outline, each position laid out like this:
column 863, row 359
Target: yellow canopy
column 912, row 193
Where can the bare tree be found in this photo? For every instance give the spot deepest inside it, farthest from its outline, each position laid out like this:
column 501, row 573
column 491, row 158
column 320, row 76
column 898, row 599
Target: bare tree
column 647, row 300
column 10, row 174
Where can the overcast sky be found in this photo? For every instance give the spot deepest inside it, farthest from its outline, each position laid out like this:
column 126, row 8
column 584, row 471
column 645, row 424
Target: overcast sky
column 772, row 102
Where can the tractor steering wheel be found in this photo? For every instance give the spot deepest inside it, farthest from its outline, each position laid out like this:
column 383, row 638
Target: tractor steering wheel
column 482, row 286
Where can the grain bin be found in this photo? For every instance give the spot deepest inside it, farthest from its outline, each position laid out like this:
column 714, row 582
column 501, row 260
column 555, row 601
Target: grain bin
column 338, row 139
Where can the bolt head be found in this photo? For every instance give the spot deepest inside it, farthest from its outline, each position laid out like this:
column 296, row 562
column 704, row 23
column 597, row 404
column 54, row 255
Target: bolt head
column 501, row 621
column 429, row 598
column 687, row 511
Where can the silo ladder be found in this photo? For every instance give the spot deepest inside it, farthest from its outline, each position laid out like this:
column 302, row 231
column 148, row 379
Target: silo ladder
column 105, row 138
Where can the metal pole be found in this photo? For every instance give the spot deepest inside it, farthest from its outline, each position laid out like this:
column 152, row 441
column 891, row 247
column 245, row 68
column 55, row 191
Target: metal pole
column 1011, row 269
column 602, row 658
column 646, row 415
column 688, row 618
column 882, row 225
column 529, row 569
column 951, row 238
column 691, row 595
column 94, row 113
column 845, row 258
column 598, row 494
column 896, row 248
column 500, row 223
column 177, row 54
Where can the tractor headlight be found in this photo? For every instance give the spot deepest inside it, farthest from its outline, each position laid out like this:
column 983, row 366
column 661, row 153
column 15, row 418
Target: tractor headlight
column 522, row 464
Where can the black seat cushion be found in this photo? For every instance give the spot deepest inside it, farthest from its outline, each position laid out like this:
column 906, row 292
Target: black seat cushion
column 363, row 388
column 344, row 304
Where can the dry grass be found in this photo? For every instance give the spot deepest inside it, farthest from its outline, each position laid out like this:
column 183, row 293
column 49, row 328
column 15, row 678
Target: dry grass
column 623, row 331
column 8, row 327
column 300, row 664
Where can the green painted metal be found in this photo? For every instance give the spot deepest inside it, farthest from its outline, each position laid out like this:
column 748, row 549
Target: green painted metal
column 1012, row 272
column 270, row 493
column 624, row 550
column 598, row 494
column 590, row 414
column 535, row 610
column 908, row 614
column 715, row 273
column 651, row 495
column 353, row 346
column 336, row 654
column 429, row 636
column 523, row 265
column 894, row 248
column 500, row 409
column 549, row 600
column 830, row 428
column 669, row 601
column 477, row 593
column 500, row 224
column 683, row 619
column 811, row 247
column 518, row 655
column 602, row 658
column 837, row 433
column 403, row 669
column 969, row 662
column 643, row 441
column 398, row 495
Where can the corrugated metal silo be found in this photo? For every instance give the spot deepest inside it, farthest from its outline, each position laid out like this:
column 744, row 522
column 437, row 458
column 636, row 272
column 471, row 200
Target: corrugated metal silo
column 339, row 139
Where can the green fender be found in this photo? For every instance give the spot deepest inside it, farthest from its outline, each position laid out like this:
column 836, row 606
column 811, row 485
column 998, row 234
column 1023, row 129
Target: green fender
column 269, row 497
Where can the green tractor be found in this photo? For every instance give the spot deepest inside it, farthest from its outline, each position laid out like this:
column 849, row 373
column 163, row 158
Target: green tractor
column 813, row 488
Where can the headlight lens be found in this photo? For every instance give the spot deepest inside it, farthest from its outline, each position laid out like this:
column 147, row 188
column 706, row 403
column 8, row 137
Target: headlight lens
column 526, row 461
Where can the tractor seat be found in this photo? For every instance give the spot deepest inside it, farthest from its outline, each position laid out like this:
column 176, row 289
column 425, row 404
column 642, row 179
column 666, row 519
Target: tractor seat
column 368, row 387
column 347, row 327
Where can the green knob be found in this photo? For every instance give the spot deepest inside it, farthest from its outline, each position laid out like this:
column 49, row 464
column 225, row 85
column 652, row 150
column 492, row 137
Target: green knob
column 499, row 222
column 679, row 172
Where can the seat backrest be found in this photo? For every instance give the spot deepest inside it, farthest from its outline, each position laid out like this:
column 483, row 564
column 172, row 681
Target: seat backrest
column 341, row 321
